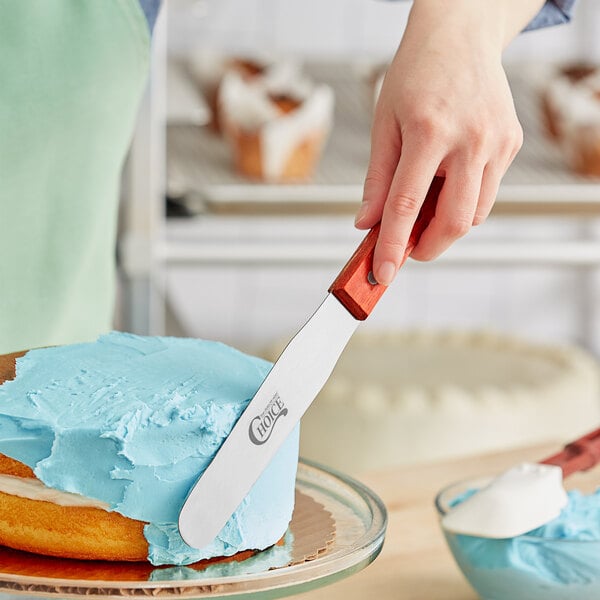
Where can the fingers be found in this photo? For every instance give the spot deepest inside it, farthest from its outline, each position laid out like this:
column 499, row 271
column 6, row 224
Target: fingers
column 385, row 153
column 490, row 182
column 418, row 164
column 456, row 207
column 466, row 199
column 492, row 176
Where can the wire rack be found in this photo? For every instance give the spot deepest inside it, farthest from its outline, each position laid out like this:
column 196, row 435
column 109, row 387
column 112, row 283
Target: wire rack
column 200, row 173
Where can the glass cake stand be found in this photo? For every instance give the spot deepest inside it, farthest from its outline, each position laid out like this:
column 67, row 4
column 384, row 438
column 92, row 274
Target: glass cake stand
column 337, row 529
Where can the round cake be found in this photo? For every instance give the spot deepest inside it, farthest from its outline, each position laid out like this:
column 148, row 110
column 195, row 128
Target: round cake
column 101, row 442
column 276, row 125
column 397, row 398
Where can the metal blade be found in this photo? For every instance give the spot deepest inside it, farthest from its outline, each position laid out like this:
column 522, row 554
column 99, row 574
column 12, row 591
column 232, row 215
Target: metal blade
column 288, row 390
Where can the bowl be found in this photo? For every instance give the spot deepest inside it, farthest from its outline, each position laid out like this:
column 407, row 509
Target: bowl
column 527, row 567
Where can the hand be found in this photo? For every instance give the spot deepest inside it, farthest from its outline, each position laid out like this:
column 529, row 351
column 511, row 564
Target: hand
column 445, row 109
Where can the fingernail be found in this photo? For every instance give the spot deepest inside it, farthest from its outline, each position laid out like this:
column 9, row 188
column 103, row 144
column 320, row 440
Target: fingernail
column 362, row 213
column 387, row 272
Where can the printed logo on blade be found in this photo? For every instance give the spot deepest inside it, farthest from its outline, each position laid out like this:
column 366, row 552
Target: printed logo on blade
column 261, row 427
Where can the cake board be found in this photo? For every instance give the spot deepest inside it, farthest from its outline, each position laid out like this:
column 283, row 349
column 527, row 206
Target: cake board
column 337, row 529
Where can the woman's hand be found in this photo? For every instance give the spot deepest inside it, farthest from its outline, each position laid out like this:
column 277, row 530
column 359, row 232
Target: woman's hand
column 445, row 108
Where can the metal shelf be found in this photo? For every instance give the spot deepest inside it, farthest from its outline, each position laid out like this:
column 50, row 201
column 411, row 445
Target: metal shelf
column 199, row 167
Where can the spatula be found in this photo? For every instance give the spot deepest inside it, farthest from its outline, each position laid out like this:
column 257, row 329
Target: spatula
column 289, row 388
column 526, row 496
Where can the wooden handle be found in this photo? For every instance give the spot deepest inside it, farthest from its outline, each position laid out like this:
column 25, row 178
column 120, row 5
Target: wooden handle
column 580, row 455
column 355, row 286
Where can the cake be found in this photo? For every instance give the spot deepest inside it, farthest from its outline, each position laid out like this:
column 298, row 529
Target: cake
column 276, row 125
column 101, row 442
column 407, row 397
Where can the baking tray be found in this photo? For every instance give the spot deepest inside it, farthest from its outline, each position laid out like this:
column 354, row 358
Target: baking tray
column 337, row 529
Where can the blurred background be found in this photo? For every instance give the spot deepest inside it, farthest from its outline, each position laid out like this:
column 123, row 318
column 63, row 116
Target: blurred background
column 493, row 345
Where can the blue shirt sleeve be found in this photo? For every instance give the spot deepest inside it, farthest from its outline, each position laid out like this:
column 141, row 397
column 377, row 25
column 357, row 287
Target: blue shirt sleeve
column 150, row 8
column 554, row 12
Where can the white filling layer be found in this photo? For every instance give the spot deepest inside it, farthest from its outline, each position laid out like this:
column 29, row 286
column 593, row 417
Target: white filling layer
column 36, row 490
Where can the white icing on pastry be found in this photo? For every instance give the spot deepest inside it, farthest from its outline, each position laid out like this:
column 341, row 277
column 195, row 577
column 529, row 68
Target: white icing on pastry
column 208, row 67
column 577, row 102
column 247, row 105
column 579, row 119
column 575, row 106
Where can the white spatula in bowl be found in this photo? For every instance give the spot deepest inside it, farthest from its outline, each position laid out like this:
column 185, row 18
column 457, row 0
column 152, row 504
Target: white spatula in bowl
column 526, row 496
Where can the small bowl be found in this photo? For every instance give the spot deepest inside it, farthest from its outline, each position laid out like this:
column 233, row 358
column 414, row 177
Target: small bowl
column 527, row 567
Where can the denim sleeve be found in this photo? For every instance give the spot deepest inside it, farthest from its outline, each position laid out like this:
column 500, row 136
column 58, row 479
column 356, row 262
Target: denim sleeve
column 150, row 8
column 554, row 12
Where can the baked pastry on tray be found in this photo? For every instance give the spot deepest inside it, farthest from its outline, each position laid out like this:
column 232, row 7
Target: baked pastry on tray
column 581, row 127
column 100, row 443
column 571, row 111
column 556, row 95
column 276, row 125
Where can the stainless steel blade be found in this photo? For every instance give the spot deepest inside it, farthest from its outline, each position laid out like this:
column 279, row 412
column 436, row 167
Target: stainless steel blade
column 288, row 390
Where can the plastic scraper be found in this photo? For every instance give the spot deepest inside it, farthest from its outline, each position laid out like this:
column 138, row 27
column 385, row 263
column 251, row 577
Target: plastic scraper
column 289, row 389
column 526, row 496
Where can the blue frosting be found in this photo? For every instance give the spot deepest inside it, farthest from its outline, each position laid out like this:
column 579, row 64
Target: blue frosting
column 133, row 421
column 275, row 557
column 556, row 561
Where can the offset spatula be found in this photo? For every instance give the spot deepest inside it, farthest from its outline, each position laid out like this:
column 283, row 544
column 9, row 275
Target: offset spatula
column 289, row 389
column 525, row 497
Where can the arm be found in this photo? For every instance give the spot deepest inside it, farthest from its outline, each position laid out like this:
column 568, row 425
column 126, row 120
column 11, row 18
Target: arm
column 445, row 108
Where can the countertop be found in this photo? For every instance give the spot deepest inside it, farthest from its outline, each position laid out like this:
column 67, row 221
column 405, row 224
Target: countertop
column 415, row 563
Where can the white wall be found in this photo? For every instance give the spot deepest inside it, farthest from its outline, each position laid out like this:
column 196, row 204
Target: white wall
column 367, row 29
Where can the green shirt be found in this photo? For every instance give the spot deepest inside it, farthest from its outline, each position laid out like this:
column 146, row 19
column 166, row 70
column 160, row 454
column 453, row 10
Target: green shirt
column 71, row 76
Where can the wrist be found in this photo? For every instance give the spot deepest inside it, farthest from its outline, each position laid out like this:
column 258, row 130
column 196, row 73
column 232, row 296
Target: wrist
column 492, row 24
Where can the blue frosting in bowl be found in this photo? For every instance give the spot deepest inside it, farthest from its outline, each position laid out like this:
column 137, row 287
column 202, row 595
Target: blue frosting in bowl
column 134, row 421
column 557, row 561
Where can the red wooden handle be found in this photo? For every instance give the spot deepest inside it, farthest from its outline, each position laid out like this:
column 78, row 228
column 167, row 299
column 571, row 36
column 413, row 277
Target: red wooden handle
column 580, row 455
column 355, row 287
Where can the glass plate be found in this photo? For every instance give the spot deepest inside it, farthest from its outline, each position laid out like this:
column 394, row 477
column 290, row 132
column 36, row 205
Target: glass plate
column 359, row 519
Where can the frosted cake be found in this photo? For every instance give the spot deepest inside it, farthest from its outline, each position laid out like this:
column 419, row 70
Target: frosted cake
column 102, row 441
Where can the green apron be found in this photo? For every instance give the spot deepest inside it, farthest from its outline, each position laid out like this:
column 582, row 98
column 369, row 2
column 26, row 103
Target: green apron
column 71, row 76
